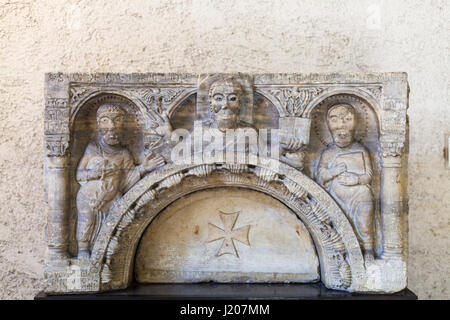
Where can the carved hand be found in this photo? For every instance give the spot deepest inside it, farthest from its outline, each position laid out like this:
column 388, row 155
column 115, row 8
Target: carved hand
column 151, row 162
column 295, row 160
column 291, row 144
column 98, row 171
column 338, row 169
column 348, row 179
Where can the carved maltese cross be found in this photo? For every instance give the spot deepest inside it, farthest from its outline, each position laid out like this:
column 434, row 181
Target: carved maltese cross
column 229, row 234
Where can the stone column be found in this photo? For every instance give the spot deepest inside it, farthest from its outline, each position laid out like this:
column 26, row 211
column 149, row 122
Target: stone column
column 391, row 207
column 58, row 198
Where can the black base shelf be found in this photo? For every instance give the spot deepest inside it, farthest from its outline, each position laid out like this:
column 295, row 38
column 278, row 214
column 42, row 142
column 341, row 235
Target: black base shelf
column 223, row 291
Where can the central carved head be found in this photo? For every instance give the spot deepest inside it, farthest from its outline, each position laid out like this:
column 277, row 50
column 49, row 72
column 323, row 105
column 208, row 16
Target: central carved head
column 110, row 119
column 341, row 120
column 224, row 102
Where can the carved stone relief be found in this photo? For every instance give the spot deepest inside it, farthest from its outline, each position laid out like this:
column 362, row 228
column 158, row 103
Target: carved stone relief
column 330, row 148
column 225, row 244
column 345, row 170
column 105, row 172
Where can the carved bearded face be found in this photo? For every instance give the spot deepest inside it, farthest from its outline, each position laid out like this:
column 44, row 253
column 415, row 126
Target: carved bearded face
column 110, row 120
column 341, row 121
column 224, row 100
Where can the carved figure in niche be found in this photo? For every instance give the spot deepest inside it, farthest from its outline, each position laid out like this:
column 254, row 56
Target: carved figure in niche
column 105, row 172
column 225, row 101
column 225, row 104
column 345, row 170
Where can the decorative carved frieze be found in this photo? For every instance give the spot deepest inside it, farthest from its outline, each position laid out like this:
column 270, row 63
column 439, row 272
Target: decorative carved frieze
column 158, row 99
column 293, row 100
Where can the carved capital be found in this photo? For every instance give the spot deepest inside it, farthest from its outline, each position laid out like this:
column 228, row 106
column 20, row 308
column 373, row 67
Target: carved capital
column 392, row 146
column 57, row 146
column 391, row 161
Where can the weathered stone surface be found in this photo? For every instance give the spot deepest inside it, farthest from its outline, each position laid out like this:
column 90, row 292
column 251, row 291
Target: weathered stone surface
column 226, row 235
column 331, row 148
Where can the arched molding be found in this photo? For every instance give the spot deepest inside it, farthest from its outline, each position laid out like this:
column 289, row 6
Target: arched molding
column 273, row 100
column 367, row 96
column 95, row 93
column 186, row 94
column 336, row 243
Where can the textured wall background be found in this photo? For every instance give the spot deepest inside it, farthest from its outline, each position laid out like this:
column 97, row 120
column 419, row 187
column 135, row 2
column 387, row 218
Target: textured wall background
column 224, row 36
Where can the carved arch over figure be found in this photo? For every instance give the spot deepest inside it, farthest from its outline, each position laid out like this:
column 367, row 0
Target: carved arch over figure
column 83, row 120
column 296, row 101
column 186, row 95
column 369, row 110
column 137, row 97
column 340, row 256
column 95, row 93
column 371, row 100
column 367, row 133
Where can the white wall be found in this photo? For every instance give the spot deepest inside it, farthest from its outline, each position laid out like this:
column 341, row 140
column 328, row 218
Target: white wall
column 225, row 36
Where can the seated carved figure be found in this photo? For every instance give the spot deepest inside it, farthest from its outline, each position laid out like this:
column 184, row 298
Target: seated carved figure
column 105, row 172
column 225, row 105
column 225, row 99
column 345, row 170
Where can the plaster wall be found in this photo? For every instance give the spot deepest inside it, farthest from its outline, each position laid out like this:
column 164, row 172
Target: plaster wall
column 222, row 36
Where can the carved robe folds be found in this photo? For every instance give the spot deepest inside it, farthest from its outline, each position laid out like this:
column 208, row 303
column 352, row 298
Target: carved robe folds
column 356, row 200
column 104, row 173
